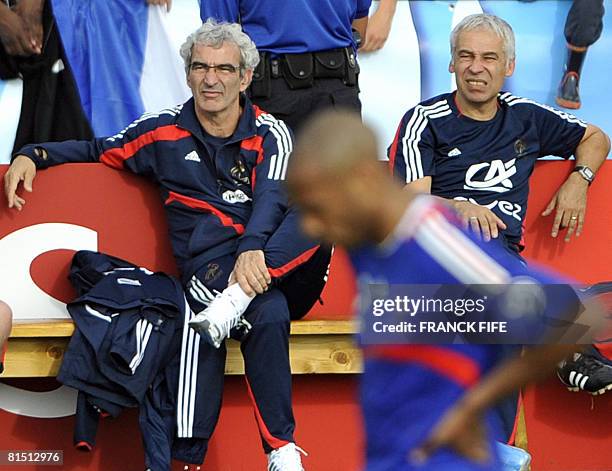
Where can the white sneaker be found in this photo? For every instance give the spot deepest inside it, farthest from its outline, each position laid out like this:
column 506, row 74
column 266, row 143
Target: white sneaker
column 286, row 458
column 215, row 322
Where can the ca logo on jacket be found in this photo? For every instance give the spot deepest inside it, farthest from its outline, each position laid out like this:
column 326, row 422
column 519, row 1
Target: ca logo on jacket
column 496, row 178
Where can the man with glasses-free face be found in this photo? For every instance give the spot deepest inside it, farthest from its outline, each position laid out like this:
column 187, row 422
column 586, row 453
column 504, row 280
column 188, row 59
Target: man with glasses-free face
column 219, row 162
column 216, row 79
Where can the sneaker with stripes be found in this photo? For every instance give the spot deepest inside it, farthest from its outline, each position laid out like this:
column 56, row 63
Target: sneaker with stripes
column 215, row 322
column 286, row 458
column 585, row 372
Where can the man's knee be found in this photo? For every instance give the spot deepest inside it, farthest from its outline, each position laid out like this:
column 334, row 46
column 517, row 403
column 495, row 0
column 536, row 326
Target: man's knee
column 5, row 320
column 269, row 308
column 5, row 312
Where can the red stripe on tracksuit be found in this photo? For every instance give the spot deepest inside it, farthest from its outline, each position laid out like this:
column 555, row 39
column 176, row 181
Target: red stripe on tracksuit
column 263, row 429
column 393, row 149
column 254, row 143
column 117, row 156
column 204, row 206
column 83, row 446
column 455, row 366
column 287, row 267
column 258, row 111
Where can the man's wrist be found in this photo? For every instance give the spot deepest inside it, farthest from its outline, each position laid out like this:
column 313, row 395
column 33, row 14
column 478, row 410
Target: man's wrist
column 248, row 243
column 585, row 173
column 454, row 203
column 579, row 179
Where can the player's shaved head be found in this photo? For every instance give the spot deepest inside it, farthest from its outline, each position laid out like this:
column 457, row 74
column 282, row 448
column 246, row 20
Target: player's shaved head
column 345, row 195
column 332, row 143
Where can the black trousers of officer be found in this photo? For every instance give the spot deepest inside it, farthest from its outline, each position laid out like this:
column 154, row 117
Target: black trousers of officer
column 294, row 107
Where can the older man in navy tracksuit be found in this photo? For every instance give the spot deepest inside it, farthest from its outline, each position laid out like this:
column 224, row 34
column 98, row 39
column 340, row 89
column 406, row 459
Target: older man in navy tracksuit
column 219, row 162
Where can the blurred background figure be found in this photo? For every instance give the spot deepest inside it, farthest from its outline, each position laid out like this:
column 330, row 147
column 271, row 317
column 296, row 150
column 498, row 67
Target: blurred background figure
column 31, row 49
column 5, row 330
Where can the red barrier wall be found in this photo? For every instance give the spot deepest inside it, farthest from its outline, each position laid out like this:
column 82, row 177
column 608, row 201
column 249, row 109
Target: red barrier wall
column 566, row 431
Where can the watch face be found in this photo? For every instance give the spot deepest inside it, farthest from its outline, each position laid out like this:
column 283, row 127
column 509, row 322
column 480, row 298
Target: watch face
column 588, row 173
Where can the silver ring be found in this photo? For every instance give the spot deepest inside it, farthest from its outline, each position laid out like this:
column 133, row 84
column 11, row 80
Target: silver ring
column 473, row 217
column 573, row 218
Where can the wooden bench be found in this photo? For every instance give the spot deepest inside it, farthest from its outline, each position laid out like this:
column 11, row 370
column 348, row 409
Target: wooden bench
column 318, row 346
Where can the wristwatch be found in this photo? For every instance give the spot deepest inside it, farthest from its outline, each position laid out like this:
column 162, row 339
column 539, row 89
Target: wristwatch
column 585, row 172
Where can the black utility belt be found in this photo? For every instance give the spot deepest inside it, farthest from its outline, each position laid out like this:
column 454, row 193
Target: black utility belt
column 301, row 70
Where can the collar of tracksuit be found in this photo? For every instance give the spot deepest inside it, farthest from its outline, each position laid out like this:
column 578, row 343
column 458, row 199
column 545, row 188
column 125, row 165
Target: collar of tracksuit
column 246, row 125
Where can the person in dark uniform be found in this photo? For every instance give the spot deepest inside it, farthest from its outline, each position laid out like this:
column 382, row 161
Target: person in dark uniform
column 582, row 28
column 308, row 52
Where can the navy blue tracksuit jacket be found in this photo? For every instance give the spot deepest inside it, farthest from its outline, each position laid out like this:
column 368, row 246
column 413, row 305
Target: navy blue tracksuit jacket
column 125, row 350
column 216, row 203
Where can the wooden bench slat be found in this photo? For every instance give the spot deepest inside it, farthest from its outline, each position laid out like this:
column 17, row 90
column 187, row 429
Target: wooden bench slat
column 65, row 328
column 42, row 356
column 36, row 349
column 50, row 328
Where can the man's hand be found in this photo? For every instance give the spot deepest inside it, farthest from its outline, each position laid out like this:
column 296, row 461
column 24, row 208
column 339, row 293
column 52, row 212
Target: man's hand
column 167, row 3
column 22, row 169
column 30, row 11
column 479, row 219
column 14, row 34
column 251, row 273
column 570, row 203
column 462, row 430
column 379, row 26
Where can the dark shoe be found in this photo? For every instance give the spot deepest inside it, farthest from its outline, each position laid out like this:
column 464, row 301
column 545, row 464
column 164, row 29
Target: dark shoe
column 585, row 372
column 568, row 95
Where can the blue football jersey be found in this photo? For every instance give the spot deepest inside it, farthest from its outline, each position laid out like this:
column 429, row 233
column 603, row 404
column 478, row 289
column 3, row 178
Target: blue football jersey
column 407, row 387
column 484, row 162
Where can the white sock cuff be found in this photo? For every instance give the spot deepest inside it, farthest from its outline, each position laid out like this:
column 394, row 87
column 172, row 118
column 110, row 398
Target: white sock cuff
column 240, row 298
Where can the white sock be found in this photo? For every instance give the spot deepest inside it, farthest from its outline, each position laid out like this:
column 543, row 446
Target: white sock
column 239, row 298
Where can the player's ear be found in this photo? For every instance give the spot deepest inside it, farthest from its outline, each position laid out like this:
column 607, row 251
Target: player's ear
column 451, row 66
column 510, row 68
column 245, row 80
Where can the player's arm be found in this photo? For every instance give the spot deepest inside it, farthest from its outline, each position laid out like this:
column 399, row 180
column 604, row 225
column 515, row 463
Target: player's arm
column 379, row 26
column 114, row 151
column 562, row 322
column 38, row 156
column 564, row 135
column 411, row 159
column 460, row 428
column 270, row 203
column 570, row 201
